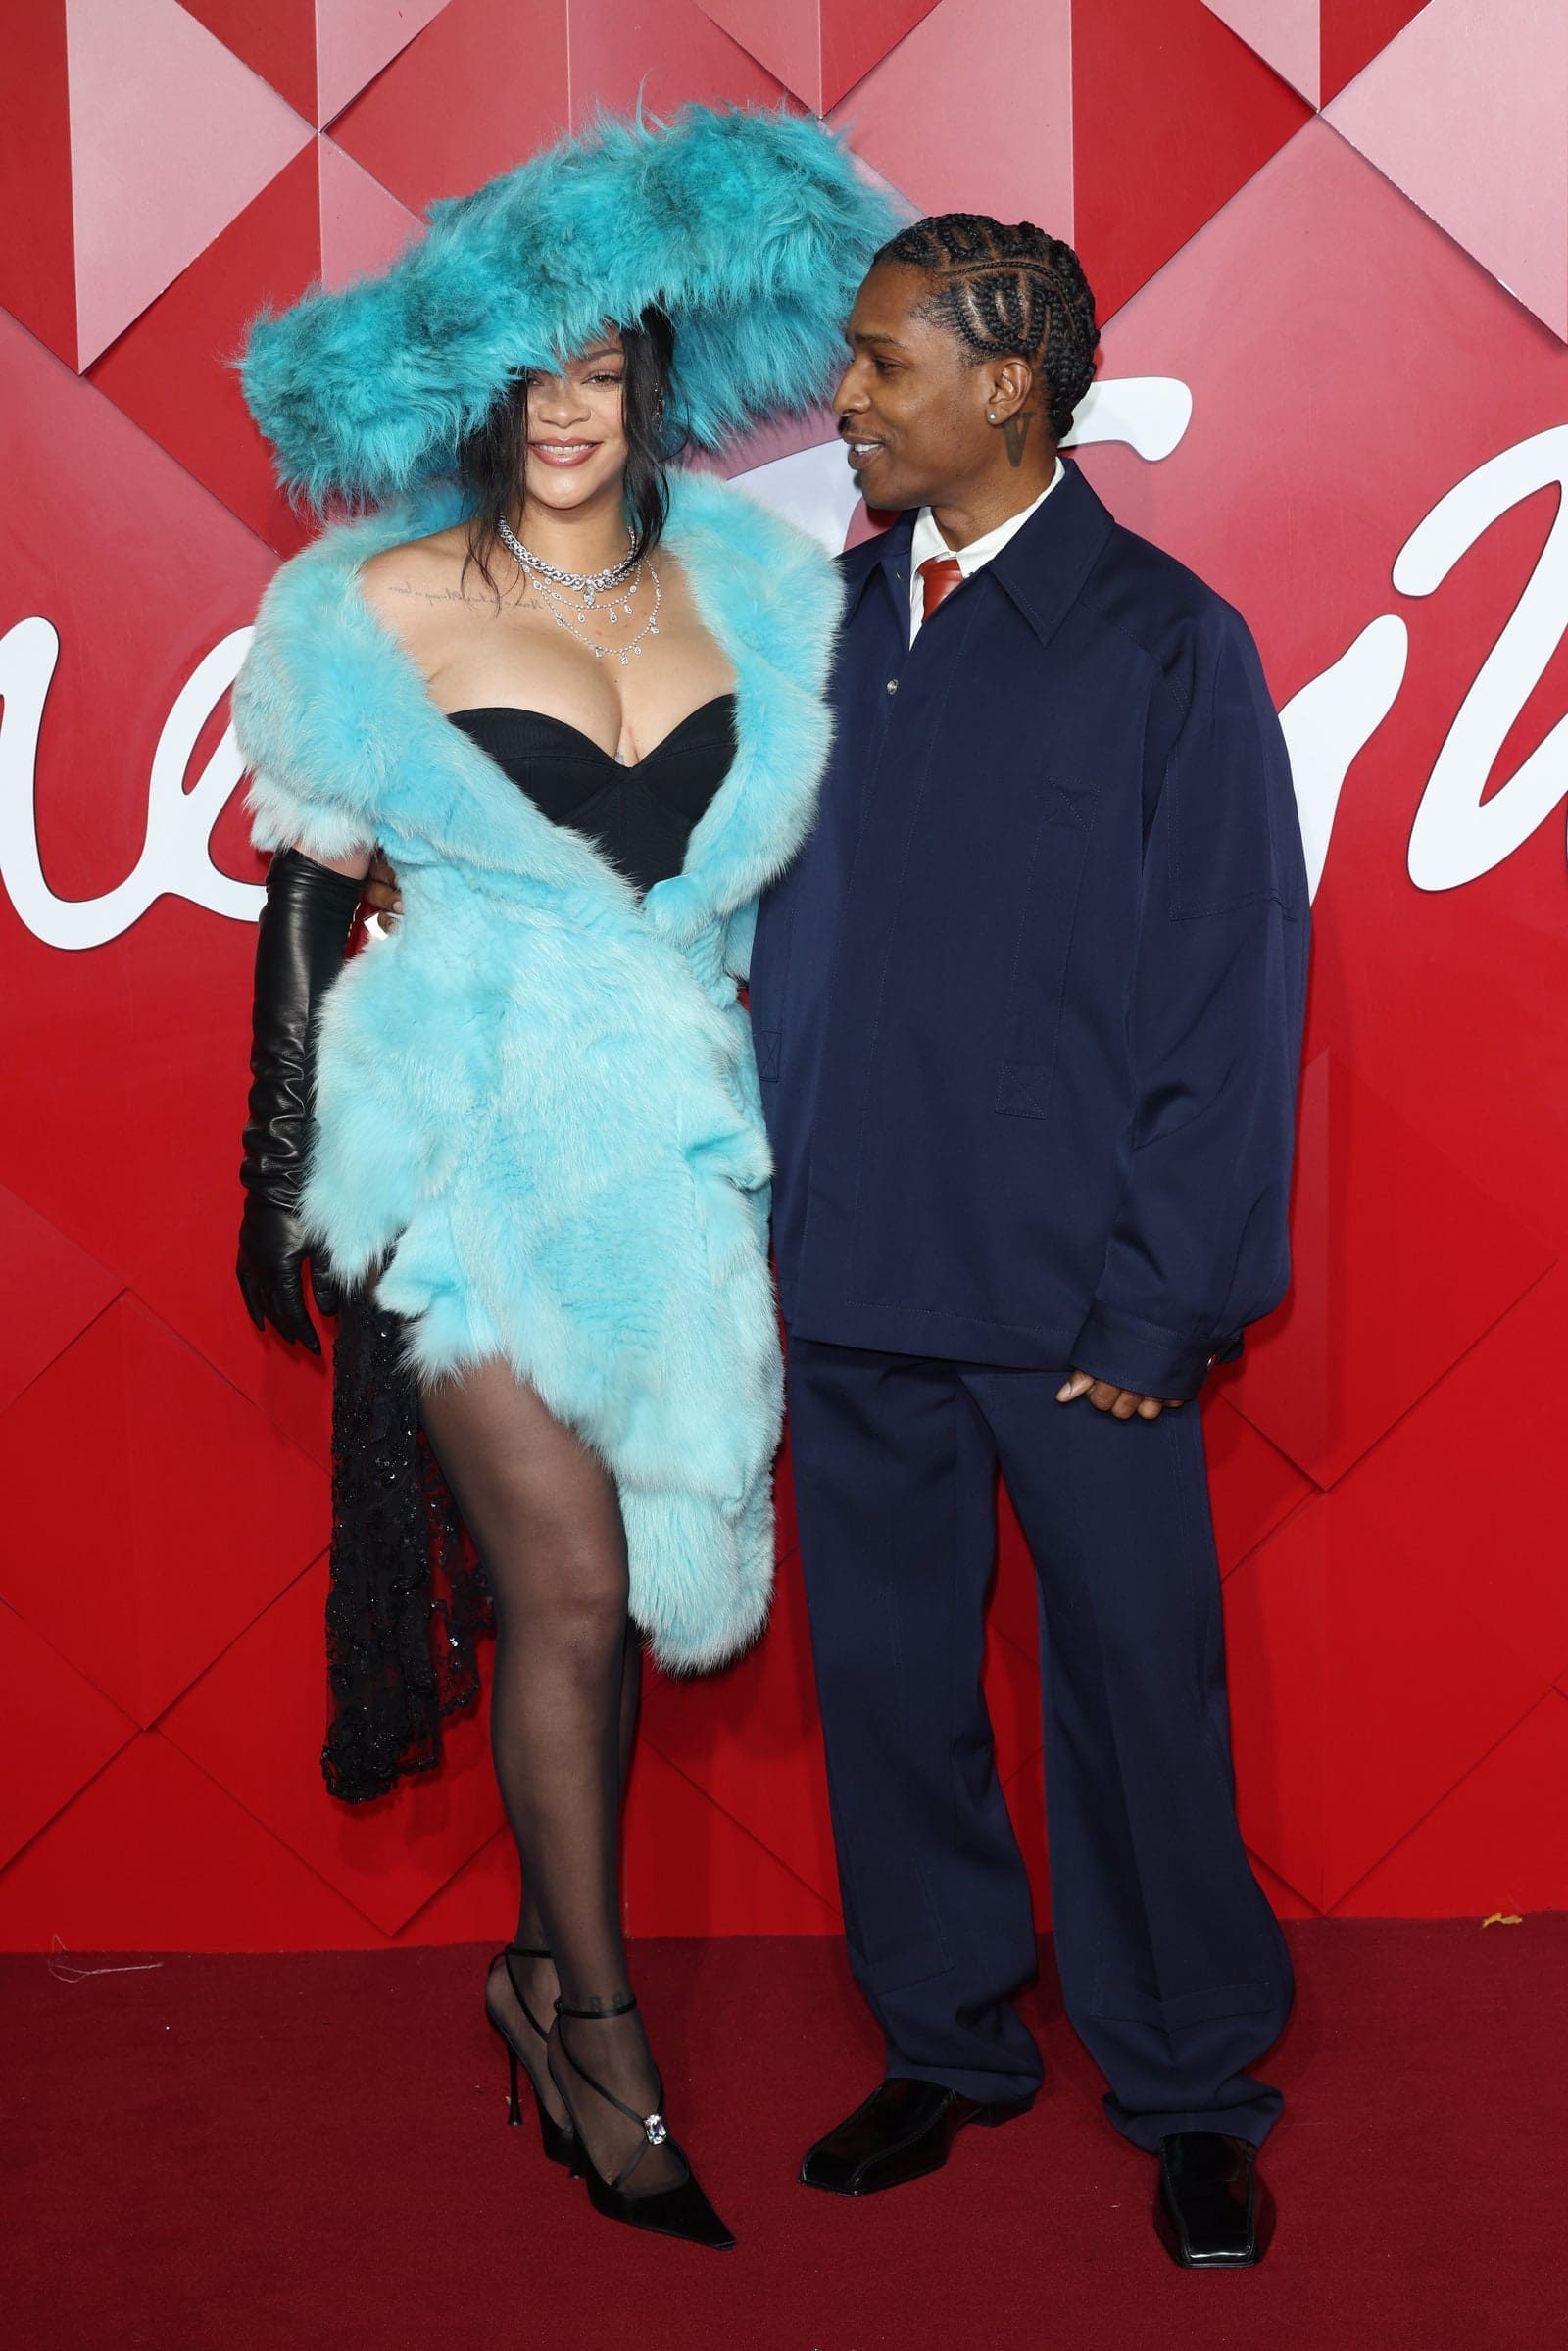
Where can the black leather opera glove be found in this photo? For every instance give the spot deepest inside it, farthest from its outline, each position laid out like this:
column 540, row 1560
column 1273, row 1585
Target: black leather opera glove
column 300, row 944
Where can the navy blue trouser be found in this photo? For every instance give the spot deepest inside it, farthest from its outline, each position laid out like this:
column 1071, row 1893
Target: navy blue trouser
column 1173, row 1969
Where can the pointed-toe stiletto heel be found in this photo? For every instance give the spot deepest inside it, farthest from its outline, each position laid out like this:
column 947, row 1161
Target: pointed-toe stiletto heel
column 559, row 2141
column 681, row 2211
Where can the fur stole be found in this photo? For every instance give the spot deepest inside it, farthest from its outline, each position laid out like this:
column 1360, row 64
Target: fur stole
column 536, row 1101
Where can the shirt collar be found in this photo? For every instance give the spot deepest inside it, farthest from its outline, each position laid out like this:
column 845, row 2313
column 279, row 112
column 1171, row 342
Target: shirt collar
column 928, row 540
column 1042, row 570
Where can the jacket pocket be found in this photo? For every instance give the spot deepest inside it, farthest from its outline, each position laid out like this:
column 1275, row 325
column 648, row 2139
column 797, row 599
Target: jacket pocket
column 1042, row 951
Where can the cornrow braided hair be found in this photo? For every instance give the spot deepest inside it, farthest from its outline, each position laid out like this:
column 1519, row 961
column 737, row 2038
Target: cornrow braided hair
column 1007, row 292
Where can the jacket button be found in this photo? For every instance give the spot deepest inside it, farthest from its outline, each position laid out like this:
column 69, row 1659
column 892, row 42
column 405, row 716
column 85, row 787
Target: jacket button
column 893, row 685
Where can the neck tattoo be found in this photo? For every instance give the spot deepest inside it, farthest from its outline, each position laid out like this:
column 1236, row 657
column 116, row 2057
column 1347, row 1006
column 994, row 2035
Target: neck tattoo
column 1015, row 433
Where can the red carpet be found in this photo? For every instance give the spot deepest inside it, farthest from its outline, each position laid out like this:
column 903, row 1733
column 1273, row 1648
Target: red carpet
column 309, row 2154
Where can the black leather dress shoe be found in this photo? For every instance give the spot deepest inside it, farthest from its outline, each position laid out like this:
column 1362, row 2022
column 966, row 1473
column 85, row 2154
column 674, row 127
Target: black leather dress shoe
column 1212, row 2211
column 903, row 2130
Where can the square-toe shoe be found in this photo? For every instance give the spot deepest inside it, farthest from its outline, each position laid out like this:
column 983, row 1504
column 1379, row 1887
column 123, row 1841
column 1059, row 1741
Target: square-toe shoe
column 903, row 2129
column 1212, row 2212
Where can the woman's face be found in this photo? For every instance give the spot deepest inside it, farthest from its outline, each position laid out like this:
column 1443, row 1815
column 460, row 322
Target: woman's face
column 577, row 432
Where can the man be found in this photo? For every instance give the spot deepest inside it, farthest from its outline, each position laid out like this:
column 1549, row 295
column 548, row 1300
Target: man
column 1028, row 1014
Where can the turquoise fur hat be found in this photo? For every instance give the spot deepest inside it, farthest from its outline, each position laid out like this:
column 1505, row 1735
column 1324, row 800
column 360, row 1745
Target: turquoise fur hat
column 752, row 228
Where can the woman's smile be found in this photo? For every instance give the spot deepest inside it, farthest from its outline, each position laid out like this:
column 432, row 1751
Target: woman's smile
column 563, row 453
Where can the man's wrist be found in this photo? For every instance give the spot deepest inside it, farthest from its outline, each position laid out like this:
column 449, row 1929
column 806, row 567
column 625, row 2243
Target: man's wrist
column 1127, row 1351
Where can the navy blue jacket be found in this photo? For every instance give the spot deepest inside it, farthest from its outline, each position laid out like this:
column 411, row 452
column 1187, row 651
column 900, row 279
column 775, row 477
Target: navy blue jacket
column 1028, row 1006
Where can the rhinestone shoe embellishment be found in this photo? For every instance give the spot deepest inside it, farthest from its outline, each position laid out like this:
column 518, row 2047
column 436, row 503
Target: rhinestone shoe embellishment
column 654, row 2125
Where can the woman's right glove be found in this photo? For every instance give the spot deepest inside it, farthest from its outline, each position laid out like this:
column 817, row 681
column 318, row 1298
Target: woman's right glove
column 300, row 945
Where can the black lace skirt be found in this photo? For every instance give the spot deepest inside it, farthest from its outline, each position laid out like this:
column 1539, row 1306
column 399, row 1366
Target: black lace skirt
column 408, row 1598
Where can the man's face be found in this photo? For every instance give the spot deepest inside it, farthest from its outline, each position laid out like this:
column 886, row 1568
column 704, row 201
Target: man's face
column 911, row 404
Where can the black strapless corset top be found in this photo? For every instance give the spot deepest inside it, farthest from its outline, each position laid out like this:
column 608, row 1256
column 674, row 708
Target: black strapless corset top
column 641, row 817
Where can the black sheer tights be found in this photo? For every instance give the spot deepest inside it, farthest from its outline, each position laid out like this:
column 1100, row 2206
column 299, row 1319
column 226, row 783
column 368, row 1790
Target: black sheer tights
column 544, row 1514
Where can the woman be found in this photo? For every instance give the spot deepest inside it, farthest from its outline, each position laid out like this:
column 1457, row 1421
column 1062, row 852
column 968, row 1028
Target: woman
column 578, row 704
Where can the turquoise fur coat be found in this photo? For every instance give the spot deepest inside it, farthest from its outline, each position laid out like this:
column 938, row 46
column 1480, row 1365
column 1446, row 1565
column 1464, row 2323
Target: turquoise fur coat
column 536, row 1101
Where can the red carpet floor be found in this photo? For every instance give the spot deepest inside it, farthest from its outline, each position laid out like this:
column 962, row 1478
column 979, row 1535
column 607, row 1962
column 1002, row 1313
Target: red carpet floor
column 309, row 2154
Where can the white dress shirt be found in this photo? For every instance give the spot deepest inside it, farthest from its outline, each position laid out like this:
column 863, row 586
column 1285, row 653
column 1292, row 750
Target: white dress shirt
column 928, row 541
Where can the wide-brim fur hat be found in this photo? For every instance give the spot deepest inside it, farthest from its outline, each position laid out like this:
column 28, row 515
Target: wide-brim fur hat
column 753, row 230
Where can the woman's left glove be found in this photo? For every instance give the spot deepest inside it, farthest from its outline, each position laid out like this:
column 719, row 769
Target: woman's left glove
column 300, row 944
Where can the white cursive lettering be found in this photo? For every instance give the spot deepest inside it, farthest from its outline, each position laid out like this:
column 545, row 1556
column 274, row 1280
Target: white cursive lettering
column 176, row 859
column 1332, row 720
column 1458, row 836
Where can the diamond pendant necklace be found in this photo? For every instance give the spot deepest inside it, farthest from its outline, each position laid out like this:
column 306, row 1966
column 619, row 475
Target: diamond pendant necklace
column 574, row 598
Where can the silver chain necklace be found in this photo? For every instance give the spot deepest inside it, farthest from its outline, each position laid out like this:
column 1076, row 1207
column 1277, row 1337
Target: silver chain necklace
column 572, row 598
column 586, row 583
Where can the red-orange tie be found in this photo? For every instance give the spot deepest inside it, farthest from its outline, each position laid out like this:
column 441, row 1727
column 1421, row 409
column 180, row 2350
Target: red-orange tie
column 940, row 574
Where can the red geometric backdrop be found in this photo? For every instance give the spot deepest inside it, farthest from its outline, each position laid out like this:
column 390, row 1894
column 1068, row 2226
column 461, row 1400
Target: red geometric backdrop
column 1343, row 226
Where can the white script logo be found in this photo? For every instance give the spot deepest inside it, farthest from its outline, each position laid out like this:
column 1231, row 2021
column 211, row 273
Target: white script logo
column 1456, row 836
column 176, row 859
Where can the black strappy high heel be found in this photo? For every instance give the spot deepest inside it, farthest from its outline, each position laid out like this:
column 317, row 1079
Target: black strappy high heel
column 559, row 2141
column 681, row 2211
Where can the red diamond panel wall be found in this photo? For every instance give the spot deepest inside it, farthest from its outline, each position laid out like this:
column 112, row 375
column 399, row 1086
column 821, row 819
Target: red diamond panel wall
column 1331, row 244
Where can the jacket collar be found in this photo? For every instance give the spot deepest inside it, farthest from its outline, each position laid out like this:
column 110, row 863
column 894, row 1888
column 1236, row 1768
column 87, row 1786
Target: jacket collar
column 886, row 557
column 1044, row 568
column 1047, row 567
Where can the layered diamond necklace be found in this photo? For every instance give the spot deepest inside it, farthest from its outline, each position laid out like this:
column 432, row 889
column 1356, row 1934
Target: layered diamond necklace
column 573, row 599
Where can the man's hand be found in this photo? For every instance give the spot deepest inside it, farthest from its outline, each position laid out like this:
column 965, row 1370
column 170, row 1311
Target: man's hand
column 1122, row 1403
column 381, row 891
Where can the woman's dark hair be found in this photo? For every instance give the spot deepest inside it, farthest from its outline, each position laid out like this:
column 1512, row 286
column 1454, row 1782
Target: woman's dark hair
column 493, row 458
column 1008, row 292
